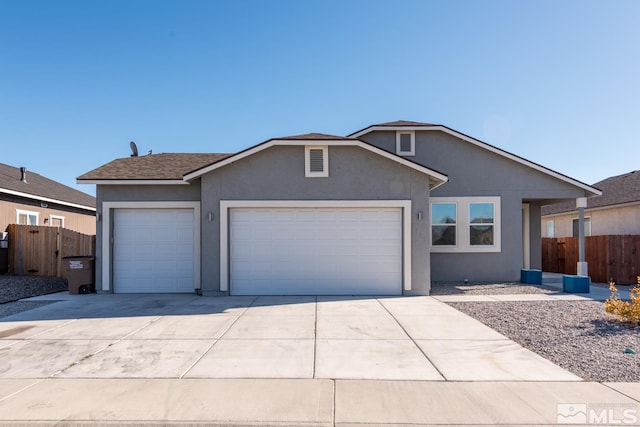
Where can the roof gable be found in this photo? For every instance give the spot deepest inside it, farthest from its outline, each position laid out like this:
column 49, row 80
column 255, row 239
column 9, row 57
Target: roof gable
column 41, row 188
column 616, row 190
column 436, row 178
column 417, row 126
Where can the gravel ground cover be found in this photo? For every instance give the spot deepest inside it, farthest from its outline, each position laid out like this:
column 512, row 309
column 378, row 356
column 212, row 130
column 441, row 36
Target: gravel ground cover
column 14, row 288
column 489, row 289
column 576, row 335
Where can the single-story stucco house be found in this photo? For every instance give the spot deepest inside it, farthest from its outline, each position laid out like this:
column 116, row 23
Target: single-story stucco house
column 385, row 210
column 615, row 212
column 29, row 198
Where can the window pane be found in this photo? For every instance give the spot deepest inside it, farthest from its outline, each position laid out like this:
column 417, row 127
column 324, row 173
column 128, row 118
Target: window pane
column 33, row 220
column 443, row 213
column 443, row 235
column 481, row 213
column 550, row 230
column 587, row 227
column 481, row 235
column 405, row 142
column 22, row 219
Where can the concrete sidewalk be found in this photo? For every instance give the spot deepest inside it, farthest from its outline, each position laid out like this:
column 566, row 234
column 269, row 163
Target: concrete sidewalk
column 305, row 402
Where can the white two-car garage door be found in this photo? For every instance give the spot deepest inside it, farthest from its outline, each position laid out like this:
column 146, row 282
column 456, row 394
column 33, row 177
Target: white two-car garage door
column 311, row 251
column 153, row 250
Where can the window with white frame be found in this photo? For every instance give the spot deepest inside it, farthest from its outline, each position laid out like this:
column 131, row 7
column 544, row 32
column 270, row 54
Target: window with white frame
column 56, row 221
column 406, row 143
column 482, row 224
column 465, row 224
column 316, row 162
column 576, row 226
column 444, row 217
column 26, row 217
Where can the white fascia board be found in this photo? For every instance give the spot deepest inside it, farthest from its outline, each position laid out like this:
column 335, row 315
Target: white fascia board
column 477, row 142
column 390, row 129
column 133, row 181
column 46, row 199
column 321, row 142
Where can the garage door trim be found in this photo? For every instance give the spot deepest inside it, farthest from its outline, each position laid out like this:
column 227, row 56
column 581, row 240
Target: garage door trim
column 107, row 233
column 227, row 205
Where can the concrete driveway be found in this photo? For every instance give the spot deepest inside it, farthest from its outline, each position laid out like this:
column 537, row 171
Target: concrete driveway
column 285, row 361
column 186, row 336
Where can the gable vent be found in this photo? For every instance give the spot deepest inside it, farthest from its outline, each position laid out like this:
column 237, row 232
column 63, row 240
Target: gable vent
column 316, row 160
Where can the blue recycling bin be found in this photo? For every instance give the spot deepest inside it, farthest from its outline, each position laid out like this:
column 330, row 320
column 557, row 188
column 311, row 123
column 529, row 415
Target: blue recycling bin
column 576, row 284
column 530, row 276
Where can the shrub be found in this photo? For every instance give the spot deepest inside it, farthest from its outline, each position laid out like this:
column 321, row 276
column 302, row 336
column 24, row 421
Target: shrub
column 629, row 311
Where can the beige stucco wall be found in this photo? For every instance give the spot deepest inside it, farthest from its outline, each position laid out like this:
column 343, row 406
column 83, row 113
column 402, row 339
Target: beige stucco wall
column 75, row 221
column 615, row 220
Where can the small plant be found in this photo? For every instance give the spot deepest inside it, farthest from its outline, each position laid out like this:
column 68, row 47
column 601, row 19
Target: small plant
column 629, row 311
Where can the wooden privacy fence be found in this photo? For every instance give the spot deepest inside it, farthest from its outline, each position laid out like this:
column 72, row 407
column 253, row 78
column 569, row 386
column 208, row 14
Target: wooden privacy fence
column 609, row 257
column 38, row 250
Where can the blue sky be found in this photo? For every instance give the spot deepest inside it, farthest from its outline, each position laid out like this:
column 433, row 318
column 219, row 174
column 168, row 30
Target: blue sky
column 557, row 82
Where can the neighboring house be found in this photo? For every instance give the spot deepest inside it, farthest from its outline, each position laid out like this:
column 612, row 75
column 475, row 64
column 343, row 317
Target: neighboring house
column 616, row 211
column 31, row 199
column 386, row 210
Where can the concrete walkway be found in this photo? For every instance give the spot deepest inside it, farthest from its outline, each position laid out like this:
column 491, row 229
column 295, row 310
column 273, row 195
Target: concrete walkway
column 597, row 292
column 275, row 360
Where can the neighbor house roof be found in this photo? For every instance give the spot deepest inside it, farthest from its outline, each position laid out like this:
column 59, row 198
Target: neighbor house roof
column 40, row 188
column 406, row 125
column 152, row 167
column 616, row 190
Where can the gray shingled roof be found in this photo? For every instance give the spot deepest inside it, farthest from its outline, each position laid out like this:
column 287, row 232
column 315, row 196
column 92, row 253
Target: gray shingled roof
column 313, row 137
column 396, row 124
column 40, row 186
column 400, row 123
column 616, row 190
column 163, row 166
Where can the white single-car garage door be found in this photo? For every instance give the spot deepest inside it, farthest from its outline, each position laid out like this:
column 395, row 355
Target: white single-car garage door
column 330, row 251
column 153, row 250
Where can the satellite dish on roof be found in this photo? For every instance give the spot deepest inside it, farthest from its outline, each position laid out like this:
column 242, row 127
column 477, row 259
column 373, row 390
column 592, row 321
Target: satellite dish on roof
column 134, row 149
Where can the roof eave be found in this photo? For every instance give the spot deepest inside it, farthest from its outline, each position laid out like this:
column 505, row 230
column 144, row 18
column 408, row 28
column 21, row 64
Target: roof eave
column 46, row 199
column 594, row 208
column 132, row 181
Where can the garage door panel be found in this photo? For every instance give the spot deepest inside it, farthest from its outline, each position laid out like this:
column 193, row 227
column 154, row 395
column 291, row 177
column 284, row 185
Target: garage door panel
column 153, row 250
column 316, row 251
